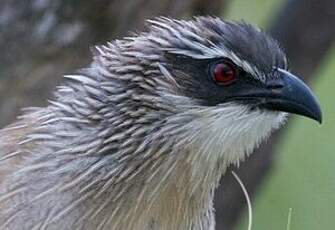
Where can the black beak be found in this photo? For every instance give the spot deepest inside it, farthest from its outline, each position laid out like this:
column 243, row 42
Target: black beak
column 288, row 93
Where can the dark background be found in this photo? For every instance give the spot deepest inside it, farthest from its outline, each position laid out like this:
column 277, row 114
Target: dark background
column 40, row 40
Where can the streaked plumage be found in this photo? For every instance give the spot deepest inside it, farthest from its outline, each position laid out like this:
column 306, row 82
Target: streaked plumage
column 138, row 140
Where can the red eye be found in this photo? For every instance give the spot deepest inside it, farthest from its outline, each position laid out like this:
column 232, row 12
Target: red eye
column 224, row 73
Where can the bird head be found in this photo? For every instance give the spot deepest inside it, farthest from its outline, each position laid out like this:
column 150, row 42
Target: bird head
column 225, row 85
column 220, row 63
column 140, row 139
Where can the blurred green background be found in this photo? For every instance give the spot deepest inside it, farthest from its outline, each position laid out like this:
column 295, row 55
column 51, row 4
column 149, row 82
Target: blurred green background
column 304, row 174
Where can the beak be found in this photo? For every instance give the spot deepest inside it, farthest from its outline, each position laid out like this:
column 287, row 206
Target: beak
column 288, row 93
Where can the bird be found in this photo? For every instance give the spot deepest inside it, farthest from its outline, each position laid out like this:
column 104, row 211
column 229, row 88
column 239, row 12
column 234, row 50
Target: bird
column 140, row 138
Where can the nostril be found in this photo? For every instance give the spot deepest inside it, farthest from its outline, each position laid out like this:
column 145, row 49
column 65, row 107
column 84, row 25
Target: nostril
column 274, row 84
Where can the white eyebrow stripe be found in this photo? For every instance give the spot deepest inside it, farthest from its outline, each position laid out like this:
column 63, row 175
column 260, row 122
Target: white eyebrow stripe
column 217, row 52
column 198, row 49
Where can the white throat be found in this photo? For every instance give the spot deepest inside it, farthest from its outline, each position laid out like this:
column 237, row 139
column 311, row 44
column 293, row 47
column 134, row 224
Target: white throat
column 217, row 138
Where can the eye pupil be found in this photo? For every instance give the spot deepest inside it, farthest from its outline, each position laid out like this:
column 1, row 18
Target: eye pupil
column 224, row 74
